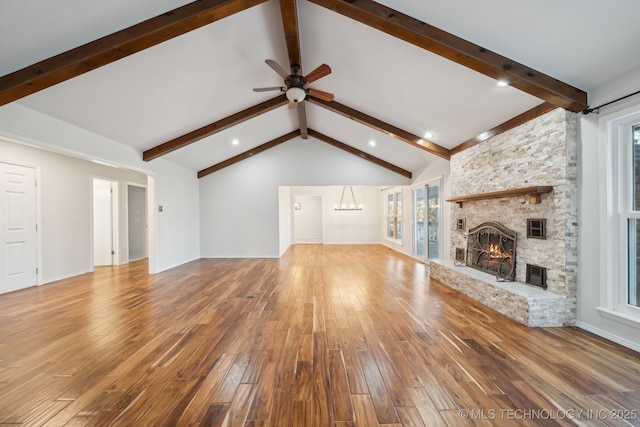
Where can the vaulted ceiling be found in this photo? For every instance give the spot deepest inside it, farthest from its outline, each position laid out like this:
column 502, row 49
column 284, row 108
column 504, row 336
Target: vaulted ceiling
column 174, row 79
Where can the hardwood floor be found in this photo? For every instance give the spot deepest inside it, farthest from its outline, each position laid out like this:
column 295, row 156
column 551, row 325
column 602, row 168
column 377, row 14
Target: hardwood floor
column 326, row 336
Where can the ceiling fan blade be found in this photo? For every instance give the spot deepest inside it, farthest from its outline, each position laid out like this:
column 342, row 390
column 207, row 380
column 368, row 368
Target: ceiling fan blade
column 292, row 104
column 318, row 73
column 320, row 94
column 265, row 89
column 277, row 68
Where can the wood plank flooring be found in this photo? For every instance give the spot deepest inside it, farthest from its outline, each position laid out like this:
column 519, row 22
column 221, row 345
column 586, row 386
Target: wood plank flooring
column 325, row 336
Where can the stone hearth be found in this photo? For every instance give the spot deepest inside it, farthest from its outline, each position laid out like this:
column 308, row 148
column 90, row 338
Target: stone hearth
column 523, row 303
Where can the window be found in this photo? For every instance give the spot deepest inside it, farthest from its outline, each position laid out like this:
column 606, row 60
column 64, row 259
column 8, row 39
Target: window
column 621, row 251
column 633, row 221
column 394, row 215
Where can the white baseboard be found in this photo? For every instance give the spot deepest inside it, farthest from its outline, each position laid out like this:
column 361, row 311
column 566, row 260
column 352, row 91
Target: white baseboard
column 611, row 337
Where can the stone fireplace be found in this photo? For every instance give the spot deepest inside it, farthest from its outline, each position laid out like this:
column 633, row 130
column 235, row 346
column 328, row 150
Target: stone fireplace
column 522, row 183
column 491, row 247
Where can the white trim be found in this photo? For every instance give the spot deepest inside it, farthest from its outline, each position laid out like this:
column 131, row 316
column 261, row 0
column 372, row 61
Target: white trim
column 608, row 335
column 619, row 316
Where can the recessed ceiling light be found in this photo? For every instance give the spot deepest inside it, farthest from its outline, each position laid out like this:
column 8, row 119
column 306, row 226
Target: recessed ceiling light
column 502, row 83
column 372, row 143
column 235, row 142
column 428, row 135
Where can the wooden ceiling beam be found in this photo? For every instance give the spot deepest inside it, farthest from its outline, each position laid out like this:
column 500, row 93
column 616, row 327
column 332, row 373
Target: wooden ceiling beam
column 383, row 127
column 118, row 45
column 460, row 51
column 518, row 120
column 247, row 154
column 215, row 127
column 302, row 119
column 289, row 13
column 361, row 154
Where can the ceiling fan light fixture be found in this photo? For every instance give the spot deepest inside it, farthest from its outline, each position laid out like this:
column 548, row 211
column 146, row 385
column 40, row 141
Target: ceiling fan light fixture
column 296, row 94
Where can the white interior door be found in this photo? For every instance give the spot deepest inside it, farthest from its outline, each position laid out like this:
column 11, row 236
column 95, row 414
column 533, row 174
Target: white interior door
column 104, row 221
column 307, row 219
column 18, row 248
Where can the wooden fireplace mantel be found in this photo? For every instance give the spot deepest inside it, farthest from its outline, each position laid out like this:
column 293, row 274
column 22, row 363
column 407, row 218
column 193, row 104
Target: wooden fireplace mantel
column 532, row 192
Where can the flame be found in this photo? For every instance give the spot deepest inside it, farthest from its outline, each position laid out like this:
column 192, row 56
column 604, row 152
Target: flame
column 494, row 251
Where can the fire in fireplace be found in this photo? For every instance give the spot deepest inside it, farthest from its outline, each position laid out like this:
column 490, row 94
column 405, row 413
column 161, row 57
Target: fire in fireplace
column 491, row 247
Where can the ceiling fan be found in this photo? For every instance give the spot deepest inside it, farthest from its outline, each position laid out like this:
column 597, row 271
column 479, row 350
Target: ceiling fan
column 295, row 85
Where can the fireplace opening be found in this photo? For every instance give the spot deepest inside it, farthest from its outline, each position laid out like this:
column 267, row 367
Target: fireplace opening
column 491, row 247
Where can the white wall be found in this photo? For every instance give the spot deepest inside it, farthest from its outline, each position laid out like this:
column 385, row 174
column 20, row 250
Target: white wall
column 591, row 197
column 178, row 225
column 240, row 204
column 176, row 234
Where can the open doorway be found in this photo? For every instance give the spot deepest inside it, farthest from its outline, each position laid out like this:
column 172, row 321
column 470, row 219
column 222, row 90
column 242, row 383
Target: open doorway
column 136, row 221
column 105, row 221
column 307, row 220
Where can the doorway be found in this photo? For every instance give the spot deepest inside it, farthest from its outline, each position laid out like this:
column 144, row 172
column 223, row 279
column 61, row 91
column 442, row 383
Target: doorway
column 105, row 221
column 137, row 221
column 307, row 219
column 18, row 228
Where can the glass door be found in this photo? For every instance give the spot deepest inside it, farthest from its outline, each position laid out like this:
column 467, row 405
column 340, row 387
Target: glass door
column 426, row 220
column 433, row 218
column 419, row 214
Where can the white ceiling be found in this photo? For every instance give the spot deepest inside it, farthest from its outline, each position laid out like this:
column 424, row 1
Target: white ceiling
column 203, row 76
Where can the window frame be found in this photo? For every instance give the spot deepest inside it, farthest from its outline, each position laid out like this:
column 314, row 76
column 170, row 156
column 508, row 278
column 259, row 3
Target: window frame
column 617, row 175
